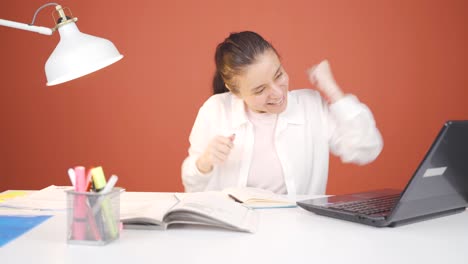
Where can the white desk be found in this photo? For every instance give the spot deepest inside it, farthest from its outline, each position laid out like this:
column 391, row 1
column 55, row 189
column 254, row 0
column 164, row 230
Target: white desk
column 285, row 236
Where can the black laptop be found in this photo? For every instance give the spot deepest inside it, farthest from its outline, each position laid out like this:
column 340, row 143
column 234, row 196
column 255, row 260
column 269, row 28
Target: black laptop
column 439, row 187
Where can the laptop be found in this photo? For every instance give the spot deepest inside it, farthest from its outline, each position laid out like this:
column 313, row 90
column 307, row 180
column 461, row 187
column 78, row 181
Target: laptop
column 439, row 187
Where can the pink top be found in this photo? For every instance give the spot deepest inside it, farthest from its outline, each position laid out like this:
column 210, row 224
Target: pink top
column 265, row 171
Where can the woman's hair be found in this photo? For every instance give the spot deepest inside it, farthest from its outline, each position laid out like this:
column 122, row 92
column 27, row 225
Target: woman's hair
column 233, row 55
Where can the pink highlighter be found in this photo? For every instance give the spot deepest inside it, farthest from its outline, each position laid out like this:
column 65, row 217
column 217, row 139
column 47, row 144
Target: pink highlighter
column 80, row 209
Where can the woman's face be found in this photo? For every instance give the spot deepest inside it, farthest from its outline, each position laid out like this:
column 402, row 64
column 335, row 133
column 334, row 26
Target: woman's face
column 264, row 85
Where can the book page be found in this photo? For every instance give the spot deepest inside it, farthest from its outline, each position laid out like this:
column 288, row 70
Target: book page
column 145, row 208
column 259, row 198
column 214, row 209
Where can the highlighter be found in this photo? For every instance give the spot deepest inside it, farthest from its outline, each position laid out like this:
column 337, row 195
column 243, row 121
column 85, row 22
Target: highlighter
column 99, row 180
column 79, row 205
column 89, row 181
column 80, row 179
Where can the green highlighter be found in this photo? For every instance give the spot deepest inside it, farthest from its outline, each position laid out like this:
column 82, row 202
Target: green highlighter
column 99, row 182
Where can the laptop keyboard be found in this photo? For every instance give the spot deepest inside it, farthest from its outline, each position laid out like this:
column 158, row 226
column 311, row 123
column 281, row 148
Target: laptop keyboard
column 368, row 207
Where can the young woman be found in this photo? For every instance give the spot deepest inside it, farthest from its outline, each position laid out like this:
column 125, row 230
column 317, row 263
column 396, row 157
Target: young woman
column 254, row 132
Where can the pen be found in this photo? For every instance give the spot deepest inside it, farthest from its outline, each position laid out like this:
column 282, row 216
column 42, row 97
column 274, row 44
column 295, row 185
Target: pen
column 110, row 184
column 93, row 224
column 234, row 198
column 232, row 137
column 71, row 175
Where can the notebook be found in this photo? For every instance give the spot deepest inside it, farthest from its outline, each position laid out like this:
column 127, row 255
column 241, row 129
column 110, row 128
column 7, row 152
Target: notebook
column 438, row 187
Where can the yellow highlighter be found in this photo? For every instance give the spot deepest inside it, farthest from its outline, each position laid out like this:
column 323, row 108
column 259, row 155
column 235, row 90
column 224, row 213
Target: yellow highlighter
column 99, row 182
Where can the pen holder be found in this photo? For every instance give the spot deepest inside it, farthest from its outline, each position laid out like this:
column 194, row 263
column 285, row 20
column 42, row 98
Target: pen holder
column 93, row 218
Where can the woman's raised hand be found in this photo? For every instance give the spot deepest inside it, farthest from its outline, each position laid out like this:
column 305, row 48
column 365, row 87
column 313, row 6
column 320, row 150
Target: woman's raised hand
column 321, row 77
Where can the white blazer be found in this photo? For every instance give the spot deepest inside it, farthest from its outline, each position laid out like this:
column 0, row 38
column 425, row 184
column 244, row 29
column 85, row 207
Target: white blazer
column 305, row 133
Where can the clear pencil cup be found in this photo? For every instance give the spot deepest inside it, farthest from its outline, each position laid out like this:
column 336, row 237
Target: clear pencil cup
column 93, row 218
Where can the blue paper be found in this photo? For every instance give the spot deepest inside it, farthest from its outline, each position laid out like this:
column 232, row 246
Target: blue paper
column 13, row 226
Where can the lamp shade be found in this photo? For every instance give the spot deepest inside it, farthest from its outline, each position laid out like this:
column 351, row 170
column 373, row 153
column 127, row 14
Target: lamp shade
column 78, row 54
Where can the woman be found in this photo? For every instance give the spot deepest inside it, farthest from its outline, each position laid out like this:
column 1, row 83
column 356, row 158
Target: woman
column 254, row 132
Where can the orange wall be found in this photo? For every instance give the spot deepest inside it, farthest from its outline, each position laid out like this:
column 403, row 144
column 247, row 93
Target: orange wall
column 405, row 59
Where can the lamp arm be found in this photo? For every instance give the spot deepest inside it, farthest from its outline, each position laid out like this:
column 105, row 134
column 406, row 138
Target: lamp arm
column 23, row 26
column 30, row 27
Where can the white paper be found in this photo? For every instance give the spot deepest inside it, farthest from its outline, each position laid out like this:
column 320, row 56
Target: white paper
column 50, row 198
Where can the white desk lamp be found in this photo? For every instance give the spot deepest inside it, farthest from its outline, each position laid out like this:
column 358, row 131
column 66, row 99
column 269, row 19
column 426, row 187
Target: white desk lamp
column 76, row 54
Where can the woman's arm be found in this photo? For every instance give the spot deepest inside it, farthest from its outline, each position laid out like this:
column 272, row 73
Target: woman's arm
column 354, row 136
column 207, row 148
column 192, row 178
column 352, row 132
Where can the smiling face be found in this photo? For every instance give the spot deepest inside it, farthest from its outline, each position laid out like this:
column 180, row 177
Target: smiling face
column 264, row 84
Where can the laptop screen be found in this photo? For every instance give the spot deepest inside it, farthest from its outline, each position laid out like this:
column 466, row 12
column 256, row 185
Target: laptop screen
column 441, row 181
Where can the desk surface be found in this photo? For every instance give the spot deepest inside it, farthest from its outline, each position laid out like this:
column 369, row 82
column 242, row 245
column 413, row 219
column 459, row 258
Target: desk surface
column 290, row 235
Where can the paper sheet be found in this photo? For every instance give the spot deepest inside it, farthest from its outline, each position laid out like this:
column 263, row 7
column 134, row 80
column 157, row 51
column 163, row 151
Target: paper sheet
column 11, row 194
column 50, row 198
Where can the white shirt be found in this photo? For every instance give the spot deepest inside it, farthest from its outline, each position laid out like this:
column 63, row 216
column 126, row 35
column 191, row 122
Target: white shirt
column 305, row 133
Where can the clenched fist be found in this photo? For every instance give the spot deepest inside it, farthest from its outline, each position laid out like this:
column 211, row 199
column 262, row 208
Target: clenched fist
column 321, row 77
column 215, row 153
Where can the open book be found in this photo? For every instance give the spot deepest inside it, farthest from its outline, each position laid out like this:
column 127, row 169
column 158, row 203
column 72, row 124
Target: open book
column 258, row 198
column 160, row 210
